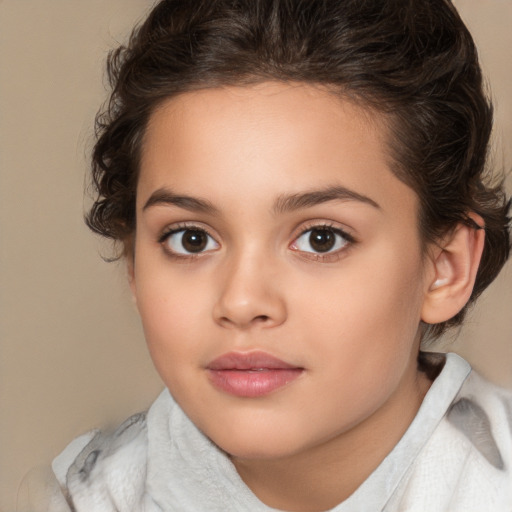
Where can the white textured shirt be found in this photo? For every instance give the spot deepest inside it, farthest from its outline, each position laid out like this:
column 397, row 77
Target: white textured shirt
column 456, row 456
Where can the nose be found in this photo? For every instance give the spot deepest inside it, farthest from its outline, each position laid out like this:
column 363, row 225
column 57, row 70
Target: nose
column 249, row 295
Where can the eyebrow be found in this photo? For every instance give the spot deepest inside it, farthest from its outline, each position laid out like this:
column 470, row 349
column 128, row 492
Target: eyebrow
column 283, row 204
column 293, row 202
column 164, row 196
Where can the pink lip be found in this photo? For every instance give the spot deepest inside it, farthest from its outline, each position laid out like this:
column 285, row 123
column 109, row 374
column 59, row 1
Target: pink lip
column 251, row 374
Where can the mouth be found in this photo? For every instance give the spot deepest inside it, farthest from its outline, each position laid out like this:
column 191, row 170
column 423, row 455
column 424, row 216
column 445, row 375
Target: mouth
column 251, row 374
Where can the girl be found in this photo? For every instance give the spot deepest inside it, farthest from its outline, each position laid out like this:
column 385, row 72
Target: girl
column 298, row 191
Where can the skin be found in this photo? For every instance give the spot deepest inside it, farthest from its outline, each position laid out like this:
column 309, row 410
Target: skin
column 349, row 317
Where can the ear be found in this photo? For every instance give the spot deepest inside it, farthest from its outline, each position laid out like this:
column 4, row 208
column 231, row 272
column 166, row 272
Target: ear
column 455, row 264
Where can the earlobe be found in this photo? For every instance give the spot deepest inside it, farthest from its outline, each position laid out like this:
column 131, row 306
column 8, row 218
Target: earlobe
column 455, row 265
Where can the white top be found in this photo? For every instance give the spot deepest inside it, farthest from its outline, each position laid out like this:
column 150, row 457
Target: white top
column 456, row 456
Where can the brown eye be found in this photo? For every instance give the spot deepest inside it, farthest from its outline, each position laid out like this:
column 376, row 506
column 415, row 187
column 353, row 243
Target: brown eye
column 194, row 240
column 322, row 239
column 188, row 241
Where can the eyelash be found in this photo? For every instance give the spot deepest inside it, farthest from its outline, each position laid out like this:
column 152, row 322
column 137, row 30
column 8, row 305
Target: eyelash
column 327, row 256
column 182, row 228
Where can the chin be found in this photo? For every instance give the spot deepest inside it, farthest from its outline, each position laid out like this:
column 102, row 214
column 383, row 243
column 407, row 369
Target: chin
column 254, row 452
column 257, row 444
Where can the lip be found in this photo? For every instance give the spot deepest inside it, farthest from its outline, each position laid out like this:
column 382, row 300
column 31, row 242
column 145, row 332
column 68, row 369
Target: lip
column 251, row 374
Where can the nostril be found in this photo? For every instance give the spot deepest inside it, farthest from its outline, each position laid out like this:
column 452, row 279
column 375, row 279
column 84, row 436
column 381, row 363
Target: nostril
column 256, row 320
column 261, row 318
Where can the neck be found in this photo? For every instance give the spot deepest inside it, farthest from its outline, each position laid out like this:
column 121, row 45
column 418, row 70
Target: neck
column 321, row 477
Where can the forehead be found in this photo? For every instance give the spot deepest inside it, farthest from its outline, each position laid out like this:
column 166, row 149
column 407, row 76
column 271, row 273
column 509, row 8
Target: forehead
column 264, row 140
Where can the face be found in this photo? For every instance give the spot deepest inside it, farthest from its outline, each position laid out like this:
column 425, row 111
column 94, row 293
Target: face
column 277, row 268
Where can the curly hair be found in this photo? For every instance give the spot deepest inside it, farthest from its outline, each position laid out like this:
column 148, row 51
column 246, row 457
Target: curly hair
column 413, row 61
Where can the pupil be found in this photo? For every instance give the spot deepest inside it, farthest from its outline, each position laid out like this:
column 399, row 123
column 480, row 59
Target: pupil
column 194, row 240
column 322, row 240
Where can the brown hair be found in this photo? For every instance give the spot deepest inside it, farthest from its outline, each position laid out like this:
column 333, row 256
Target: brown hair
column 413, row 60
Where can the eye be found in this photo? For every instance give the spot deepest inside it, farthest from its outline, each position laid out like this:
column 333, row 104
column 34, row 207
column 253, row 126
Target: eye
column 321, row 239
column 186, row 241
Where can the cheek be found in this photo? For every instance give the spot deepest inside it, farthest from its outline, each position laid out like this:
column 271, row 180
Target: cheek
column 365, row 341
column 365, row 314
column 365, row 295
column 171, row 308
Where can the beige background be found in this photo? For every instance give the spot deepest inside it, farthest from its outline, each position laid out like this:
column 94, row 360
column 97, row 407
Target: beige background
column 72, row 352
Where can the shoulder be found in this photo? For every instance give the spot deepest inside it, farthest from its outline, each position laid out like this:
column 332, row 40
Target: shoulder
column 477, row 455
column 482, row 412
column 105, row 470
column 465, row 461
